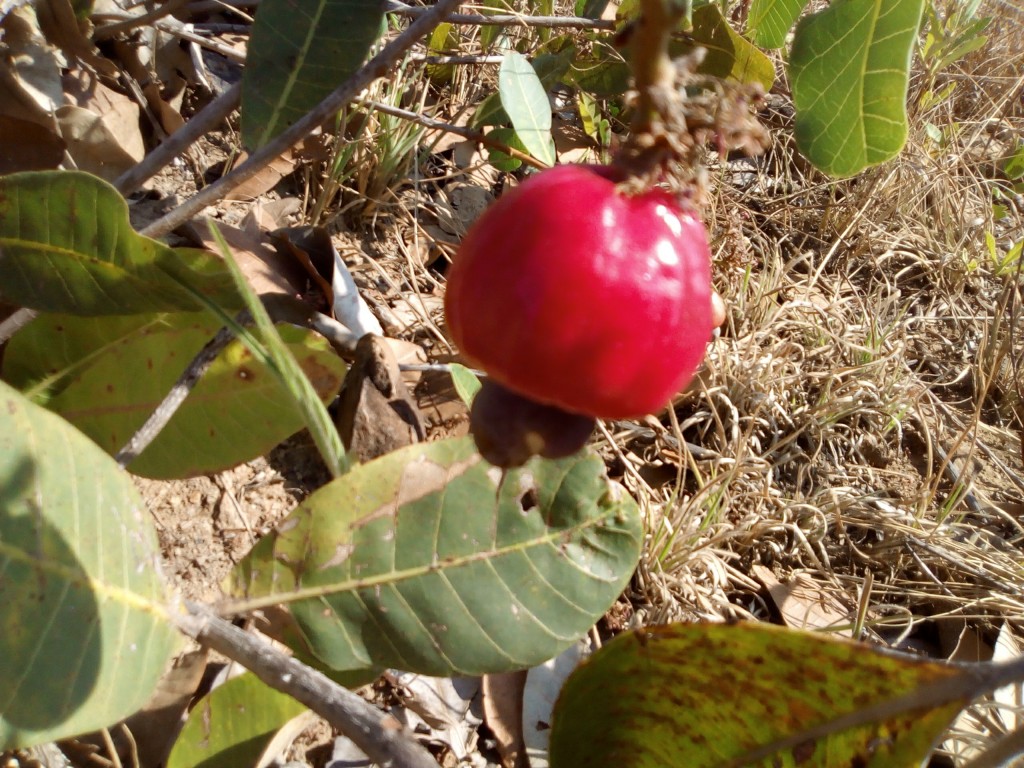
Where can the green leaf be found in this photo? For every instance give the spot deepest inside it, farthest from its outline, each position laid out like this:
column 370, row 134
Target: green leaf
column 490, row 33
column 107, row 375
column 466, row 383
column 502, row 160
column 526, row 103
column 233, row 725
column 66, row 246
column 769, row 21
column 961, row 49
column 84, row 634
column 431, row 560
column 728, row 54
column 444, row 41
column 849, row 71
column 300, row 51
column 489, row 112
column 1013, row 166
column 602, row 73
column 550, row 68
column 704, row 696
column 300, row 382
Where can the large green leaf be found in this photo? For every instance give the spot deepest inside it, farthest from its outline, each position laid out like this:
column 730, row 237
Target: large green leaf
column 300, row 51
column 232, row 725
column 849, row 69
column 84, row 635
column 601, row 71
column 526, row 102
column 66, row 246
column 431, row 560
column 107, row 375
column 706, row 695
column 728, row 53
column 551, row 68
column 769, row 21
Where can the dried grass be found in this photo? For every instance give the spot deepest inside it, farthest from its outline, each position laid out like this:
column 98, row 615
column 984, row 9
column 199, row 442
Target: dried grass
column 861, row 414
column 858, row 422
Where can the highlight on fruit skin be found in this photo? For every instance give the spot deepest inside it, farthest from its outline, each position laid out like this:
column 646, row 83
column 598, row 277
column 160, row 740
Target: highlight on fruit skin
column 574, row 294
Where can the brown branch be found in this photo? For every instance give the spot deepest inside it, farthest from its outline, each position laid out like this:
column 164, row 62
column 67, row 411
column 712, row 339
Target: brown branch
column 15, row 322
column 147, row 433
column 567, row 22
column 208, row 118
column 384, row 740
column 376, row 67
column 393, row 6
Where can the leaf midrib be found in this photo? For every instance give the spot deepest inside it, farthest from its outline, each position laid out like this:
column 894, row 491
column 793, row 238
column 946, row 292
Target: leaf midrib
column 398, row 576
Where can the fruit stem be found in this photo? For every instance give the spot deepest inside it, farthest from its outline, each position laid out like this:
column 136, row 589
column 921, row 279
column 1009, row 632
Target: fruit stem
column 652, row 66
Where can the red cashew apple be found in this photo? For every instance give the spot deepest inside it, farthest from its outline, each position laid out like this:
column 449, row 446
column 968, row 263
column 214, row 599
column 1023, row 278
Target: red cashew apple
column 574, row 294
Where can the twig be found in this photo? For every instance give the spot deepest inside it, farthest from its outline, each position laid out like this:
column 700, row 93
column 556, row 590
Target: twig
column 186, row 383
column 341, row 338
column 178, row 29
column 393, row 6
column 202, row 123
column 15, row 323
column 467, row 59
column 569, row 22
column 110, row 30
column 380, row 736
column 458, row 130
column 376, row 67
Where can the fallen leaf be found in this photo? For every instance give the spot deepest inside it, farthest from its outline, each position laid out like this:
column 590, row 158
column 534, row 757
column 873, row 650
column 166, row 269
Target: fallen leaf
column 32, row 90
column 441, row 705
column 268, row 271
column 265, row 179
column 803, row 604
column 27, row 146
column 543, row 684
column 503, row 712
column 61, row 27
column 100, row 126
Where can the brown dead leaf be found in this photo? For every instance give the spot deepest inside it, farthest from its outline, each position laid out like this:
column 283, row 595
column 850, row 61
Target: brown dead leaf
column 92, row 145
column 803, row 604
column 268, row 271
column 168, row 115
column 30, row 80
column 265, row 179
column 408, row 353
column 62, row 28
column 26, row 146
column 310, row 247
column 270, row 215
column 100, row 126
column 503, row 713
